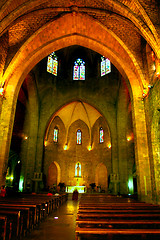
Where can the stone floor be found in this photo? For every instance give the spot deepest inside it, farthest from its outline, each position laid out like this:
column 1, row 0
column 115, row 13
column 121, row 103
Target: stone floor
column 60, row 225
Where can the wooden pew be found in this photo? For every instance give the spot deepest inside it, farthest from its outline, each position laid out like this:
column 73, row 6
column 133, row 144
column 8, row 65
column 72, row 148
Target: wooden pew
column 90, row 232
column 13, row 224
column 116, row 207
column 26, row 217
column 116, row 224
column 31, row 210
column 102, row 217
column 3, row 227
column 121, row 211
column 118, row 216
column 33, row 219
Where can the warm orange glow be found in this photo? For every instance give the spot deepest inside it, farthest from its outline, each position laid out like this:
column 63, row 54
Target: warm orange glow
column 89, row 148
column 145, row 92
column 153, row 56
column 109, row 145
column 128, row 139
column 25, row 137
column 65, row 147
column 158, row 70
column 1, row 91
column 158, row 74
column 45, row 143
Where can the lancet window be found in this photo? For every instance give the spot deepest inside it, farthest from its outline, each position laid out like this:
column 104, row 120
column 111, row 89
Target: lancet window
column 79, row 70
column 105, row 66
column 79, row 136
column 101, row 135
column 55, row 135
column 52, row 64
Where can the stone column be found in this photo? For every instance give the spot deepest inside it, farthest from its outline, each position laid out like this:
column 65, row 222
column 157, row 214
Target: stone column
column 6, row 126
column 141, row 151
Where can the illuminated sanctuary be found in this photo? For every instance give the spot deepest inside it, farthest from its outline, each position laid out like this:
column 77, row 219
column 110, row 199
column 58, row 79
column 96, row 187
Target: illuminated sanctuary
column 80, row 96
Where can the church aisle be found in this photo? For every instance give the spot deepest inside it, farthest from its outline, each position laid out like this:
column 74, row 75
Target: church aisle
column 59, row 225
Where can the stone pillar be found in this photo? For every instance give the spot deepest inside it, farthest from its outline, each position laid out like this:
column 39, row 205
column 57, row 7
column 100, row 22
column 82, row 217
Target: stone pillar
column 141, row 151
column 3, row 54
column 6, row 126
column 114, row 178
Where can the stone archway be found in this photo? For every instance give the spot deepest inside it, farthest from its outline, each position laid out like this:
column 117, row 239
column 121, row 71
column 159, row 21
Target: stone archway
column 42, row 43
column 101, row 177
column 53, row 174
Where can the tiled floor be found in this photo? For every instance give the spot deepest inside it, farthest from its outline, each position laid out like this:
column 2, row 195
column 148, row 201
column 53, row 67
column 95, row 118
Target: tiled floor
column 60, row 225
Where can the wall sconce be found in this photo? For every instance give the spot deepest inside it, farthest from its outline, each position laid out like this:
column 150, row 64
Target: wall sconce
column 45, row 143
column 128, row 139
column 158, row 75
column 158, row 69
column 109, row 145
column 65, row 147
column 89, row 148
column 150, row 86
column 2, row 90
column 145, row 92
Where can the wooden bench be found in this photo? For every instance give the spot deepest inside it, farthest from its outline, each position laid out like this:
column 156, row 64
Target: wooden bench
column 31, row 210
column 112, row 224
column 26, row 217
column 121, row 211
column 13, row 224
column 85, row 232
column 33, row 219
column 101, row 217
column 37, row 208
column 118, row 216
column 3, row 227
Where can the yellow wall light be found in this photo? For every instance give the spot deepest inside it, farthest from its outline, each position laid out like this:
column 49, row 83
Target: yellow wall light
column 109, row 145
column 65, row 147
column 89, row 148
column 128, row 139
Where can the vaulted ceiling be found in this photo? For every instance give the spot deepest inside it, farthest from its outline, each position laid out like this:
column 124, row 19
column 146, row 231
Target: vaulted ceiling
column 21, row 18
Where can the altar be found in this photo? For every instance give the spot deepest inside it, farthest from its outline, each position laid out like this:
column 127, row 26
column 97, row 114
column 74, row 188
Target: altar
column 80, row 189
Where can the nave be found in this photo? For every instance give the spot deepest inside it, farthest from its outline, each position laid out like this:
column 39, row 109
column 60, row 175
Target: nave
column 59, row 225
column 91, row 217
column 101, row 216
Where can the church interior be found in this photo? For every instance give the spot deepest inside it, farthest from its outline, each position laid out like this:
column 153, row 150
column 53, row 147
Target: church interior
column 80, row 112
column 80, row 96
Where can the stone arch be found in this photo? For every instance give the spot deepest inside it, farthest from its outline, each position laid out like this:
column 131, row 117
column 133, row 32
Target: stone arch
column 55, row 122
column 53, row 177
column 127, row 10
column 42, row 43
column 32, row 120
column 101, row 176
column 67, row 31
column 101, row 122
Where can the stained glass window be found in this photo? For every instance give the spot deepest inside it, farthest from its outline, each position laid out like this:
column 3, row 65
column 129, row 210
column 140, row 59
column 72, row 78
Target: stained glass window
column 101, row 135
column 52, row 64
column 79, row 70
column 79, row 136
column 105, row 66
column 55, row 137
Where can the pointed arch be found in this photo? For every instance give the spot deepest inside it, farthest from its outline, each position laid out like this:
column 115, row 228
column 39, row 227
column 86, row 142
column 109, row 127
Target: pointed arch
column 101, row 176
column 53, row 174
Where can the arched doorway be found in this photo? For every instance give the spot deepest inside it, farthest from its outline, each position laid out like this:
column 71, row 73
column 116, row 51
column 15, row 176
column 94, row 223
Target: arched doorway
column 53, row 178
column 101, row 178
